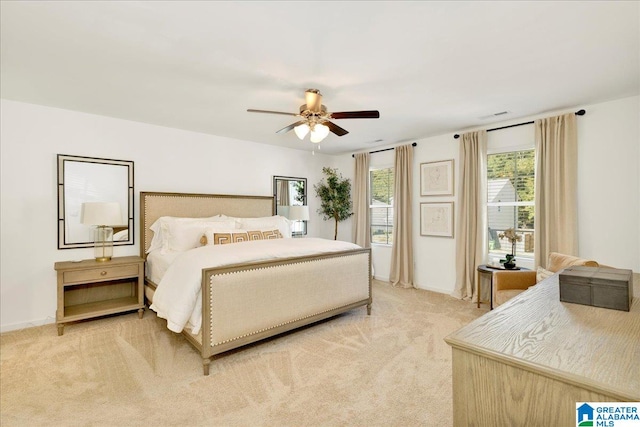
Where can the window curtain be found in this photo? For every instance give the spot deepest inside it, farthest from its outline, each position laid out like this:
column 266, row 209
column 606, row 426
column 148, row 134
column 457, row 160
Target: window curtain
column 556, row 221
column 471, row 223
column 401, row 273
column 361, row 218
column 283, row 193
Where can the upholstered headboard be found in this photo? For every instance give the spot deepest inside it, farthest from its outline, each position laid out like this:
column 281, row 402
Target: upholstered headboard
column 155, row 205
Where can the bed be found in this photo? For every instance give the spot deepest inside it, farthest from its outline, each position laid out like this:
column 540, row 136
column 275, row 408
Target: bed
column 245, row 292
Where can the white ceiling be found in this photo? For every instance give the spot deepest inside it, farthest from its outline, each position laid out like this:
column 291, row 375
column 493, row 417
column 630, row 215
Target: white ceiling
column 430, row 68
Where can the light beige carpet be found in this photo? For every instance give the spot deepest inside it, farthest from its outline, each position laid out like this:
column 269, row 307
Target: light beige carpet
column 391, row 368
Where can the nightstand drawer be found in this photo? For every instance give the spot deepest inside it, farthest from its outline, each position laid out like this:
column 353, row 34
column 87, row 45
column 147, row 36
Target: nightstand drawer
column 103, row 273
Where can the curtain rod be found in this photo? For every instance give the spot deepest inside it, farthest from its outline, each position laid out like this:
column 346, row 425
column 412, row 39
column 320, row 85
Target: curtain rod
column 578, row 113
column 386, row 149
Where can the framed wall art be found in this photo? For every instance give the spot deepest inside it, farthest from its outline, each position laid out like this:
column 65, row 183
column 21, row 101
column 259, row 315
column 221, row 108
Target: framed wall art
column 436, row 219
column 436, row 178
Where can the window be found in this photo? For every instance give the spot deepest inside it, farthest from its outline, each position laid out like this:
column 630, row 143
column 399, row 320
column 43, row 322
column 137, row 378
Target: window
column 510, row 201
column 381, row 205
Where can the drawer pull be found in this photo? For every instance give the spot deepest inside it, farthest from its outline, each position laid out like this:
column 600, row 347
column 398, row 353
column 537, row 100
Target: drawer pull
column 103, row 273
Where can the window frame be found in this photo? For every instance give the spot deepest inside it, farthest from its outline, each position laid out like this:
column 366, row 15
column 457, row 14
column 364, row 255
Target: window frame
column 529, row 256
column 390, row 235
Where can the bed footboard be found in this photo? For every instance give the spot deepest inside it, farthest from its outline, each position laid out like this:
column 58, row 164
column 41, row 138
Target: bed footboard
column 245, row 303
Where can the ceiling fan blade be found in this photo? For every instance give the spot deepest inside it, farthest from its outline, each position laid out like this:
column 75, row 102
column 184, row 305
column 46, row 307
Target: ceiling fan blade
column 250, row 110
column 335, row 129
column 372, row 114
column 291, row 126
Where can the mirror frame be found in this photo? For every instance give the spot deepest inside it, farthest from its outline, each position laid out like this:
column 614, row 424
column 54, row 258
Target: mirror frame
column 276, row 179
column 62, row 237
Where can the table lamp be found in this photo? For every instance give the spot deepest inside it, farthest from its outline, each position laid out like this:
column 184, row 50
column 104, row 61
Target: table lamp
column 299, row 213
column 102, row 215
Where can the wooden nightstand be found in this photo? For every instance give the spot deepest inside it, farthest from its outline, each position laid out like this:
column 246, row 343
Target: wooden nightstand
column 89, row 288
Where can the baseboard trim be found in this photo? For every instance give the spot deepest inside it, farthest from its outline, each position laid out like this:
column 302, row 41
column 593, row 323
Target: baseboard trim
column 418, row 286
column 25, row 325
column 435, row 289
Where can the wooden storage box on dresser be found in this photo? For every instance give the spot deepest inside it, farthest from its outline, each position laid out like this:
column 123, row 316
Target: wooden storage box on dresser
column 597, row 286
column 89, row 288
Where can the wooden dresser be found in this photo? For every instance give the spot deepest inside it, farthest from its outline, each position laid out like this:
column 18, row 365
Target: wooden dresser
column 530, row 360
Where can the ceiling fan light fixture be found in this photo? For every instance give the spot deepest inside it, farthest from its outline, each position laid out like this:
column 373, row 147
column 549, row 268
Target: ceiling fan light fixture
column 301, row 130
column 316, row 120
column 319, row 132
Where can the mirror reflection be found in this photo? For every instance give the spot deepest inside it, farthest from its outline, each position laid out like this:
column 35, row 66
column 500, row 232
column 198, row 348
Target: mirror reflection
column 291, row 192
column 86, row 179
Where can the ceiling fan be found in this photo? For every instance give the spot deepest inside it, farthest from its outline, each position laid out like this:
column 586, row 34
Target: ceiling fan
column 315, row 118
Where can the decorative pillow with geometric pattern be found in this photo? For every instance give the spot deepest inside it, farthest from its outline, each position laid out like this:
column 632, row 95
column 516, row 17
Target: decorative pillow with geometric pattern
column 222, row 238
column 237, row 236
column 271, row 234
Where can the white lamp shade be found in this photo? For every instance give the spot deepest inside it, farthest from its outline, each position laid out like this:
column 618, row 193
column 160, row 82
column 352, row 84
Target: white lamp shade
column 284, row 211
column 299, row 213
column 319, row 132
column 101, row 213
column 301, row 130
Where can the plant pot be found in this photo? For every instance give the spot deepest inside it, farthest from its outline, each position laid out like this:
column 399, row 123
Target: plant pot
column 509, row 265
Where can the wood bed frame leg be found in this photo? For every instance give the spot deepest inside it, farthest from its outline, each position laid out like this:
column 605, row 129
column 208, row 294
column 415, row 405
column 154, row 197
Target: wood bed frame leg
column 205, row 365
column 369, row 309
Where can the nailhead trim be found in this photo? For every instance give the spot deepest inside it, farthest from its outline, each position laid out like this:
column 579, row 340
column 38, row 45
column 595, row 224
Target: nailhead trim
column 272, row 327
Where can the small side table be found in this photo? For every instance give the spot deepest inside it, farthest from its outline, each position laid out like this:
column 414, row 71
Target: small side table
column 88, row 289
column 486, row 269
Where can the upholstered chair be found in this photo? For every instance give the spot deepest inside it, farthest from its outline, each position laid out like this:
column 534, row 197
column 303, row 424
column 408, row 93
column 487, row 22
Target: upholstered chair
column 508, row 284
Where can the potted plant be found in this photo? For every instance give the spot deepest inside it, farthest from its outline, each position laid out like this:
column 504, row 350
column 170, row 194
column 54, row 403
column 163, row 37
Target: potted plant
column 513, row 237
column 335, row 197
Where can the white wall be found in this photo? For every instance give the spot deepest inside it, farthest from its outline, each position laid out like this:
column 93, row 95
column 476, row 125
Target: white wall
column 609, row 183
column 434, row 257
column 608, row 191
column 165, row 160
column 174, row 160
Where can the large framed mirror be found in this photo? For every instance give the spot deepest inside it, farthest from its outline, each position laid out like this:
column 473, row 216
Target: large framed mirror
column 88, row 179
column 290, row 193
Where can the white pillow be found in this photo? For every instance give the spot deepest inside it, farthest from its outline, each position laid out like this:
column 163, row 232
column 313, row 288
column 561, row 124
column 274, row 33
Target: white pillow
column 542, row 274
column 121, row 236
column 266, row 222
column 159, row 240
column 229, row 217
column 185, row 235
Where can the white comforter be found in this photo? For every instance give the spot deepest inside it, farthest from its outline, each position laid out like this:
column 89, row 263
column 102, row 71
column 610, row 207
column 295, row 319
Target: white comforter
column 178, row 297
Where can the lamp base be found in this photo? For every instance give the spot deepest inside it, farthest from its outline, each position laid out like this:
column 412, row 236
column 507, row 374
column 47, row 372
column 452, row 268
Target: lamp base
column 103, row 243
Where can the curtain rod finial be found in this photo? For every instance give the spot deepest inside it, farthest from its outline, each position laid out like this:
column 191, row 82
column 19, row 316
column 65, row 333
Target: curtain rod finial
column 581, row 112
column 456, row 136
